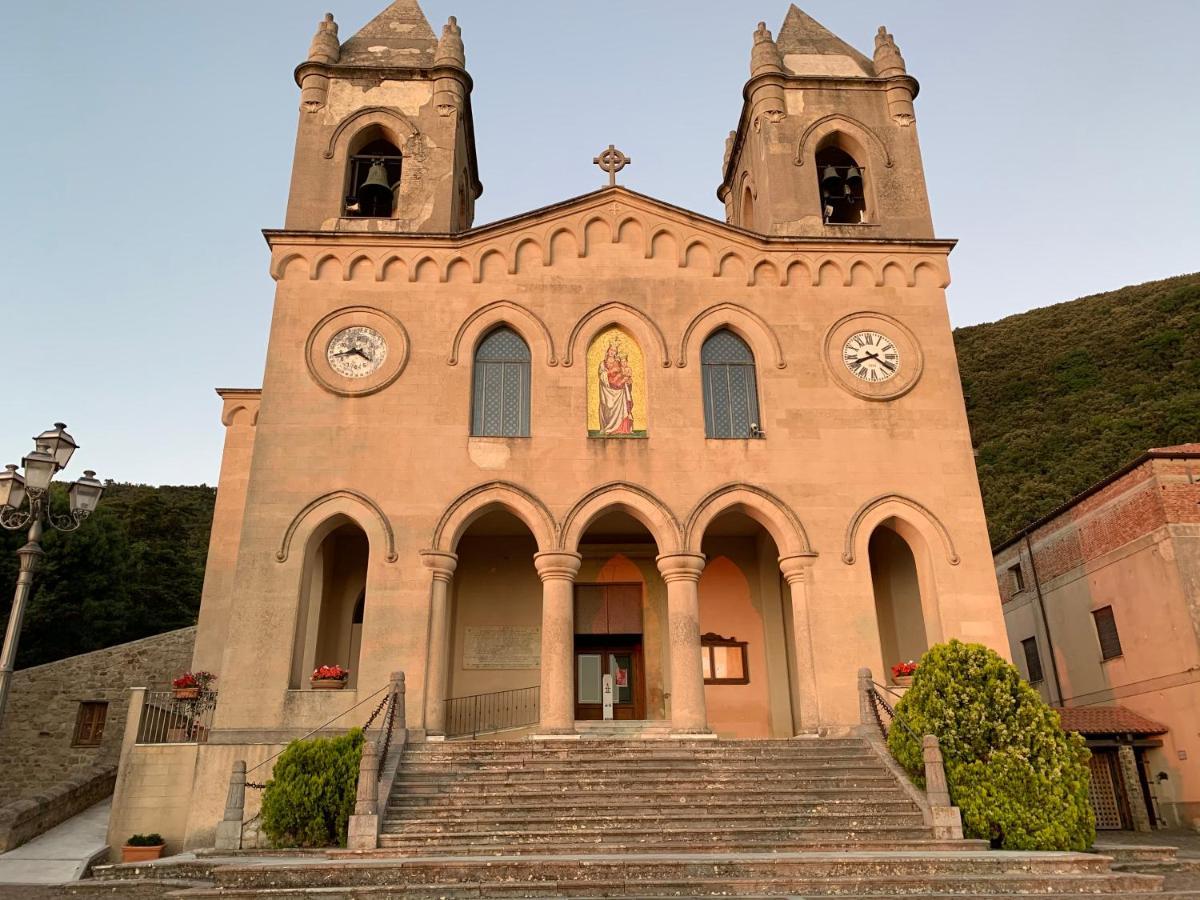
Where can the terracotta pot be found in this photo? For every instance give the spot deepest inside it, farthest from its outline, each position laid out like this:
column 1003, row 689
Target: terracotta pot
column 187, row 693
column 328, row 684
column 903, row 681
column 141, row 854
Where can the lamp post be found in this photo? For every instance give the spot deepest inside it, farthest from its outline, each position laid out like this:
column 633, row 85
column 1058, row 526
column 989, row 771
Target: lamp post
column 25, row 502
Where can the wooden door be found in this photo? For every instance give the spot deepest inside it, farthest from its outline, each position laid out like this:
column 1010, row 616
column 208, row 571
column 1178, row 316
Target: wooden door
column 623, row 661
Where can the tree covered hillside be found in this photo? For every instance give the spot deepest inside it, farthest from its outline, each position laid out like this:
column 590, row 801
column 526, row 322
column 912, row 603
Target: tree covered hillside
column 134, row 569
column 1059, row 397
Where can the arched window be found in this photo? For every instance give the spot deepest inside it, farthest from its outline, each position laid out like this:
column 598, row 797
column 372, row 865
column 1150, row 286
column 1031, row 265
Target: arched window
column 843, row 198
column 730, row 390
column 333, row 598
column 500, row 401
column 898, row 607
column 374, row 177
column 748, row 208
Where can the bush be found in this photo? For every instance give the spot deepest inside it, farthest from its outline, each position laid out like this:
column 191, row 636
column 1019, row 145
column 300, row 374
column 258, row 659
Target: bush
column 1019, row 779
column 309, row 799
column 153, row 839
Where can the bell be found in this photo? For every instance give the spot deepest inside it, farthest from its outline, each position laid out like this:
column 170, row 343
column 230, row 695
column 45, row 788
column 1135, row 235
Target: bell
column 377, row 177
column 854, row 178
column 829, row 179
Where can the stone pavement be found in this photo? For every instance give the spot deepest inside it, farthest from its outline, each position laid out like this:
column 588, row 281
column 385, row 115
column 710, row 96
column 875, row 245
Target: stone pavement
column 62, row 853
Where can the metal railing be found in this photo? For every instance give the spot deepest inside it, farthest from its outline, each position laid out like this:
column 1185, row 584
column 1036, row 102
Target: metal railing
column 885, row 713
column 487, row 713
column 170, row 719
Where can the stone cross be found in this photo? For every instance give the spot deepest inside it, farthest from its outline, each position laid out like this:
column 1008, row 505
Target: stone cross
column 612, row 161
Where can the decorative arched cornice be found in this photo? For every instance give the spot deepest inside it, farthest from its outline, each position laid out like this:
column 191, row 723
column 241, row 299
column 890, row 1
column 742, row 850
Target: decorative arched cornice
column 354, row 496
column 737, row 316
column 784, row 526
column 838, row 122
column 229, row 416
column 871, row 506
column 618, row 311
column 495, row 313
column 374, row 114
column 505, row 495
column 636, row 500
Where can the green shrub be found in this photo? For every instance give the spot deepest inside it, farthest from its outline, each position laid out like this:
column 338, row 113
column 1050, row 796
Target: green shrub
column 154, row 839
column 1019, row 779
column 309, row 799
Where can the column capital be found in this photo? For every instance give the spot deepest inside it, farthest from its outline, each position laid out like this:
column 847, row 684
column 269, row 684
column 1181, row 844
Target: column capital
column 441, row 564
column 680, row 566
column 557, row 564
column 796, row 568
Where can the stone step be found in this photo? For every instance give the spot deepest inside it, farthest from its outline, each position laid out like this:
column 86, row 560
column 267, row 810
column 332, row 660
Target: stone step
column 556, row 792
column 648, row 820
column 1126, row 853
column 662, row 807
column 831, row 785
column 840, row 870
column 602, row 748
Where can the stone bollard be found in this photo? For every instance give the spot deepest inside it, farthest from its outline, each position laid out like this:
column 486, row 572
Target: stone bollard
column 367, row 801
column 866, row 708
column 229, row 831
column 398, row 690
column 947, row 820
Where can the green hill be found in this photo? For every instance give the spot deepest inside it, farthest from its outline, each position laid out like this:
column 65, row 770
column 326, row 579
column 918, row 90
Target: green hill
column 1059, row 397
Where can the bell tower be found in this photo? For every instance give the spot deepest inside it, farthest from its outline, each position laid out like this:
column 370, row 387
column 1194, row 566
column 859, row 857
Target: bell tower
column 827, row 141
column 386, row 140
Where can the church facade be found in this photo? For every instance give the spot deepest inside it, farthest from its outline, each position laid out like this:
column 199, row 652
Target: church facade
column 723, row 463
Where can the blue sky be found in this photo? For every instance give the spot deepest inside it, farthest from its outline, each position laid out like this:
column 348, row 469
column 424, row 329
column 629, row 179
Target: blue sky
column 147, row 143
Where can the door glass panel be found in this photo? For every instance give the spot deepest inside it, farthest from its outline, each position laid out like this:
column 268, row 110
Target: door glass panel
column 620, row 666
column 590, row 675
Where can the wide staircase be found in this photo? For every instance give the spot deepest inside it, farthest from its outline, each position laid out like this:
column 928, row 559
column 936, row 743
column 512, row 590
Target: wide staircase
column 627, row 815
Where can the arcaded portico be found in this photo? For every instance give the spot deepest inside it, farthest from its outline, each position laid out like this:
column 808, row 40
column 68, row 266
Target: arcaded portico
column 719, row 465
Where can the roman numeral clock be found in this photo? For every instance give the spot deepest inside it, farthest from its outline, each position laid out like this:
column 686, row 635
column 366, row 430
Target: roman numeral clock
column 873, row 356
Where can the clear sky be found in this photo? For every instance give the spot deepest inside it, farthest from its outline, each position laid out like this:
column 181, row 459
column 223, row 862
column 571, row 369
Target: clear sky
column 146, row 142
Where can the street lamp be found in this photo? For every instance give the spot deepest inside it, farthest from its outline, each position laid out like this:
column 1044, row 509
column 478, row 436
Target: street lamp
column 52, row 451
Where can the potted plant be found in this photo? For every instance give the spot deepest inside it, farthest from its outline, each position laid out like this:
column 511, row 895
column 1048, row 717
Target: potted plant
column 143, row 847
column 902, row 673
column 190, row 685
column 329, row 678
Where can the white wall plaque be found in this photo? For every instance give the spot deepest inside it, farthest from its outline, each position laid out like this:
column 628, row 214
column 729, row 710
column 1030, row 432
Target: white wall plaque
column 502, row 647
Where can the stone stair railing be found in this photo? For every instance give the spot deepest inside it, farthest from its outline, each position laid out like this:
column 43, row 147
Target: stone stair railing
column 940, row 812
column 382, row 748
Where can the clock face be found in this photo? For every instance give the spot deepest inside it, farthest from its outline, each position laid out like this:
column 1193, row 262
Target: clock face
column 356, row 352
column 871, row 356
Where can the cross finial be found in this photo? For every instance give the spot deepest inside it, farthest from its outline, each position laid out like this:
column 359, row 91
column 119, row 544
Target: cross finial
column 612, row 161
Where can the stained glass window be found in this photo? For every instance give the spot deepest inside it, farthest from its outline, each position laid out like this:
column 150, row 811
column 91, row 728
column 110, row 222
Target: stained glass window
column 500, row 405
column 730, row 391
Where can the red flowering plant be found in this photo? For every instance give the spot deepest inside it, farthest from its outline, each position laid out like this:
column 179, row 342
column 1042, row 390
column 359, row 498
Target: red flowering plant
column 200, row 680
column 330, row 673
column 904, row 669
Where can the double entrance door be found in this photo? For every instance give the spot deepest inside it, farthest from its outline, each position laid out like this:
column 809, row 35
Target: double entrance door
column 608, row 642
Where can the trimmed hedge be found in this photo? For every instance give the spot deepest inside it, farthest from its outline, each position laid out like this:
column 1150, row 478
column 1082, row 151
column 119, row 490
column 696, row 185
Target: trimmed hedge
column 309, row 799
column 1020, row 781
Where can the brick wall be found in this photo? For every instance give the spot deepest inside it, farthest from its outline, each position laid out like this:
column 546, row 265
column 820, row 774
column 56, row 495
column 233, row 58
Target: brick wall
column 39, row 726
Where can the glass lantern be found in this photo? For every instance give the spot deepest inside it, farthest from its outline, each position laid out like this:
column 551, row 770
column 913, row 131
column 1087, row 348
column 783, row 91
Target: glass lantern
column 12, row 487
column 84, row 493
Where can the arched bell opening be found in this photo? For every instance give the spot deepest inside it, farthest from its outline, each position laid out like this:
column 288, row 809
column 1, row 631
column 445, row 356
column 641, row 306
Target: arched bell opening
column 744, row 620
column 333, row 601
column 373, row 175
column 899, row 609
column 748, row 208
column 842, row 182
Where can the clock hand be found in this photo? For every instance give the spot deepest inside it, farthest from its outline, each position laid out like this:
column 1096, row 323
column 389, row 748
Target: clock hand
column 344, row 353
column 878, row 360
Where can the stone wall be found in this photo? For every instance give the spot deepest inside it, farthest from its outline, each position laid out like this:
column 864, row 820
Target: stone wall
column 39, row 726
column 25, row 819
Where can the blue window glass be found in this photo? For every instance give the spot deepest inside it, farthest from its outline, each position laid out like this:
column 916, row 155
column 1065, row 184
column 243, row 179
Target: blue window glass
column 730, row 389
column 500, row 394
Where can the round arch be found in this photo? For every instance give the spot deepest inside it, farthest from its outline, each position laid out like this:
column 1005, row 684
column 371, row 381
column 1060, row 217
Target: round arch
column 397, row 127
column 485, row 498
column 762, row 506
column 357, row 508
column 820, row 131
column 748, row 325
column 628, row 498
column 617, row 313
column 503, row 312
column 902, row 509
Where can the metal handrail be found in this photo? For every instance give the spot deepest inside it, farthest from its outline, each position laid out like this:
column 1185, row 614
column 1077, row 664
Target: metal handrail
column 478, row 714
column 880, row 706
column 168, row 718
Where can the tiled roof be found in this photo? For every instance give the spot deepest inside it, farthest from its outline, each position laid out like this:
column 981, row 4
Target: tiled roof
column 1106, row 720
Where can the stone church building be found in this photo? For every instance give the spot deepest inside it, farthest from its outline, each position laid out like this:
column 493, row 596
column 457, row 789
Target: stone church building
column 724, row 463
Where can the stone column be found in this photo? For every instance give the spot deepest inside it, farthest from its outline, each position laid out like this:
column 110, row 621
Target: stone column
column 681, row 572
column 798, row 572
column 442, row 566
column 557, row 571
column 1132, row 785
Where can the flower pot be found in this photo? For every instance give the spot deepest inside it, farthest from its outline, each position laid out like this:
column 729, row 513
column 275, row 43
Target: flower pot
column 141, row 854
column 328, row 684
column 190, row 693
column 903, row 681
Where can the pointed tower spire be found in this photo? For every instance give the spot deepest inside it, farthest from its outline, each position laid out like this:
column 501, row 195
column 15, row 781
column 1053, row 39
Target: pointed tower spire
column 765, row 57
column 809, row 48
column 325, row 49
column 449, row 91
column 890, row 64
column 766, row 72
column 399, row 36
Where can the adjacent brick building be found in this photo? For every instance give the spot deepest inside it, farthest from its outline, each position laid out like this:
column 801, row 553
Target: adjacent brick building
column 1101, row 600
